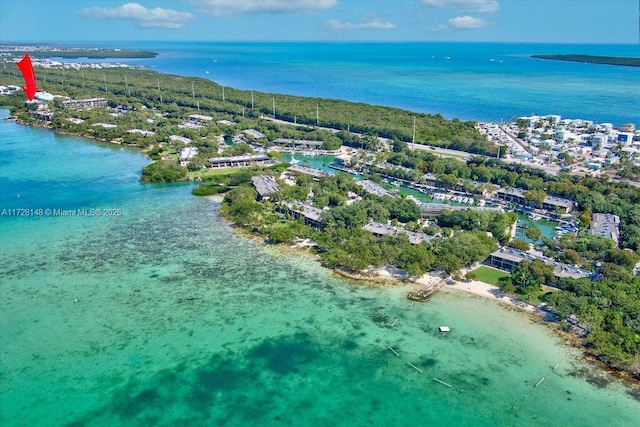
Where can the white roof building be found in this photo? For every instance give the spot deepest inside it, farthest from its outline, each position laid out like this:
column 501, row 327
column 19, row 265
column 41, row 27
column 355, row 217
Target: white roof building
column 44, row 96
column 179, row 138
column 188, row 153
column 141, row 132
column 562, row 135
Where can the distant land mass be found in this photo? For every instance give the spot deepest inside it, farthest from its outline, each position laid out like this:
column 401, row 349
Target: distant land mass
column 73, row 53
column 591, row 59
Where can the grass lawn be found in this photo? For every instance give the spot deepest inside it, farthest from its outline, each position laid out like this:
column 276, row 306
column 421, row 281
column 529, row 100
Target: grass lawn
column 489, row 275
column 207, row 173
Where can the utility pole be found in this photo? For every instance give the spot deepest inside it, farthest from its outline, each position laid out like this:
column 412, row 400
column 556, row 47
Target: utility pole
column 158, row 81
column 413, row 140
column 252, row 100
column 222, row 93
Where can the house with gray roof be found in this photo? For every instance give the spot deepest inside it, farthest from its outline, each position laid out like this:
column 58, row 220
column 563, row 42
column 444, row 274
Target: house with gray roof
column 265, row 186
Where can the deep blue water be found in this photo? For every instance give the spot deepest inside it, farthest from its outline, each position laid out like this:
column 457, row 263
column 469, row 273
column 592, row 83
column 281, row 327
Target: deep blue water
column 479, row 81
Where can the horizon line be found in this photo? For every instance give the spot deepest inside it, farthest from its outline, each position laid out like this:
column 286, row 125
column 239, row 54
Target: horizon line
column 84, row 42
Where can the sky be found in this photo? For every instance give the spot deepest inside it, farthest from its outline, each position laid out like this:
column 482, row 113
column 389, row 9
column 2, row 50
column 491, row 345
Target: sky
column 513, row 21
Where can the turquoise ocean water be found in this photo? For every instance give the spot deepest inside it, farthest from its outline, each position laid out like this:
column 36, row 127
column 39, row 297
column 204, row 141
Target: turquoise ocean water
column 177, row 320
column 478, row 81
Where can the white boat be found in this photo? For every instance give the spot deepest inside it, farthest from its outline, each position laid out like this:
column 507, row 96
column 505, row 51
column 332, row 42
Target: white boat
column 294, row 161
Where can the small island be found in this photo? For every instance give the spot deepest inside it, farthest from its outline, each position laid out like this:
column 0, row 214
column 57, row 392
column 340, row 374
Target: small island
column 592, row 59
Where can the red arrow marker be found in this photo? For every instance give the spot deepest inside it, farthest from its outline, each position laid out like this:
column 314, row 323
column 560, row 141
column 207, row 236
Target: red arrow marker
column 26, row 68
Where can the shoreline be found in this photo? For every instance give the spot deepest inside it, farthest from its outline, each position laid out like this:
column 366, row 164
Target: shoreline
column 391, row 276
column 481, row 290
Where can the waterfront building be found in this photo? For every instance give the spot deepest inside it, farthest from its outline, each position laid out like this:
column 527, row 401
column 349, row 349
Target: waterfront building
column 605, row 225
column 507, row 258
column 240, row 161
column 376, row 189
column 298, row 144
column 44, row 115
column 553, row 118
column 342, row 163
column 551, row 203
column 310, row 214
column 343, row 160
column 265, row 186
column 187, row 154
column 315, row 173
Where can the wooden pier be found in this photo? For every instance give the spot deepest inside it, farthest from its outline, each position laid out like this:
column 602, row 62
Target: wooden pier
column 424, row 294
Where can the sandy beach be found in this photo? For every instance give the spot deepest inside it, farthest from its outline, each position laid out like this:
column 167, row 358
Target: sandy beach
column 480, row 289
column 474, row 287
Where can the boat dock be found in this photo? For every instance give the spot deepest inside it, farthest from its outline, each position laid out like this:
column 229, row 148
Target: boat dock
column 425, row 293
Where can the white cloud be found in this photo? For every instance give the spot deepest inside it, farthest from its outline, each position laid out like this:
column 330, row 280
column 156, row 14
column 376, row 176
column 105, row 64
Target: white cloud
column 478, row 6
column 469, row 23
column 234, row 7
column 367, row 24
column 143, row 17
column 464, row 23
